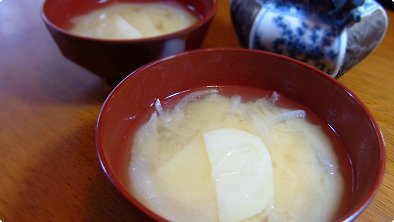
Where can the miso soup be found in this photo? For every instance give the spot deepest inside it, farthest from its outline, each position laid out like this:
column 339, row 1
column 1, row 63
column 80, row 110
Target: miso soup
column 237, row 154
column 133, row 20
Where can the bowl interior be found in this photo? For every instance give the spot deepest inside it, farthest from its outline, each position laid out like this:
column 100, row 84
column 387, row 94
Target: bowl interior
column 60, row 12
column 326, row 97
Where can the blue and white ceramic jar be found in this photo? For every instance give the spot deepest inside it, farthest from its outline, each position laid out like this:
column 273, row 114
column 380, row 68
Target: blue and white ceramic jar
column 332, row 35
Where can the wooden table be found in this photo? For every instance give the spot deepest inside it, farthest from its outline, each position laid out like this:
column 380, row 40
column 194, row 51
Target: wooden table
column 48, row 108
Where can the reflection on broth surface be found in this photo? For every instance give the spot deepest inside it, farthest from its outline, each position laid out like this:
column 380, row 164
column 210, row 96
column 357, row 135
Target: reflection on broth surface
column 133, row 20
column 232, row 154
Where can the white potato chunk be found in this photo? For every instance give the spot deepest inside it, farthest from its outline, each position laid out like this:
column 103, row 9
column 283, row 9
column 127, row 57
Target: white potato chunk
column 241, row 168
column 186, row 184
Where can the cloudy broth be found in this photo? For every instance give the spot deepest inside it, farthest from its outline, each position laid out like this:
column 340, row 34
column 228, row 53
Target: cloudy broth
column 133, row 20
column 296, row 195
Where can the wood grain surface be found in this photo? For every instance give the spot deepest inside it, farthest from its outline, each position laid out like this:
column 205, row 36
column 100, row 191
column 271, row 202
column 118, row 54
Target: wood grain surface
column 48, row 108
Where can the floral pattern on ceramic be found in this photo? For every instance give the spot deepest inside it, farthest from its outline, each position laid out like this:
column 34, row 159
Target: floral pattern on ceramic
column 332, row 35
column 291, row 33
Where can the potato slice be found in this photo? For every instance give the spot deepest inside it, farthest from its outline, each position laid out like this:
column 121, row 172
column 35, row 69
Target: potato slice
column 241, row 168
column 105, row 25
column 142, row 23
column 121, row 29
column 186, row 184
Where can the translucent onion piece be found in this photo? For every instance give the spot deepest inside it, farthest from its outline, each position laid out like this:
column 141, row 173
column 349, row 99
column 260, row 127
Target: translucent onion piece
column 185, row 100
column 235, row 103
column 164, row 116
column 263, row 128
column 274, row 97
column 326, row 163
column 285, row 116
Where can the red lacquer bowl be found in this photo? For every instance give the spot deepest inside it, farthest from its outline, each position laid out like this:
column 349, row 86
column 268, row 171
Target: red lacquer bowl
column 306, row 85
column 115, row 59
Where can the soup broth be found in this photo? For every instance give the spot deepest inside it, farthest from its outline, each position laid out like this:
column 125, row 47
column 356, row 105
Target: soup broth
column 133, row 20
column 173, row 170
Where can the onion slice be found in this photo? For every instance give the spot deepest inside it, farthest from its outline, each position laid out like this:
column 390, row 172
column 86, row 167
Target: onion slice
column 235, row 103
column 164, row 116
column 192, row 96
column 288, row 115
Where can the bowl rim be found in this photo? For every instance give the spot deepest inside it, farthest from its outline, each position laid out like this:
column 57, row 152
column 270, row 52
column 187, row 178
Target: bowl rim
column 201, row 22
column 349, row 216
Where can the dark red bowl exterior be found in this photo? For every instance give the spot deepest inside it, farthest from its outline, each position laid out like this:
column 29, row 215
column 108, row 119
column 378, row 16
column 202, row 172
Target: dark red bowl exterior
column 306, row 85
column 115, row 59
